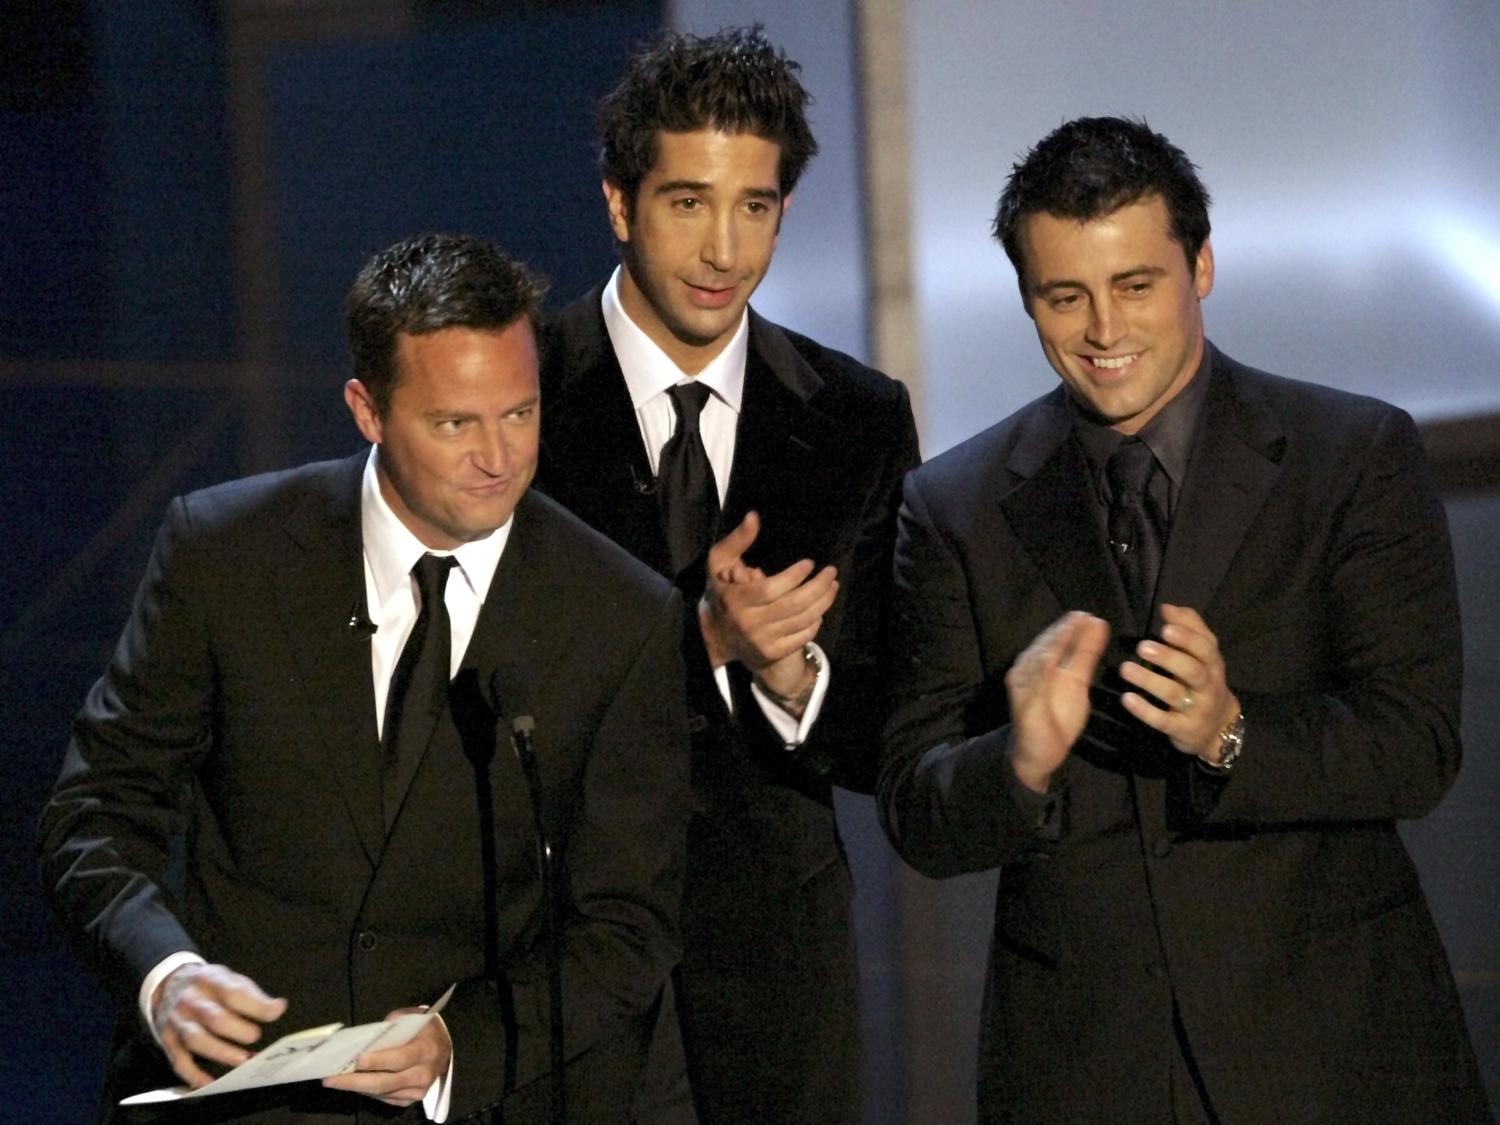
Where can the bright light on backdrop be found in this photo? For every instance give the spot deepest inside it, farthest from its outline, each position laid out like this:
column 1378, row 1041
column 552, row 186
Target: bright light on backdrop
column 1348, row 147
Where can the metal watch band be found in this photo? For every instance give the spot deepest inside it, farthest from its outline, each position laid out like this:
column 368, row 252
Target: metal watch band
column 1231, row 745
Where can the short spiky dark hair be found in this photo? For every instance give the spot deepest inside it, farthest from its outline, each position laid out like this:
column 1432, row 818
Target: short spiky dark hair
column 1092, row 166
column 427, row 283
column 735, row 81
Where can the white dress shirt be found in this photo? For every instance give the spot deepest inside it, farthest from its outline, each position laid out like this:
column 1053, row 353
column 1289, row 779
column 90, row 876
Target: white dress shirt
column 391, row 592
column 649, row 374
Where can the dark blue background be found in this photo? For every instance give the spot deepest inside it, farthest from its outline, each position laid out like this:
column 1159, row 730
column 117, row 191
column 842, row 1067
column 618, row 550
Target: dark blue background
column 119, row 329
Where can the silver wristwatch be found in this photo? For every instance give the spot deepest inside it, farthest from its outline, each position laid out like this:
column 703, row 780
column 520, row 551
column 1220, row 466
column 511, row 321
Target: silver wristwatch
column 1231, row 745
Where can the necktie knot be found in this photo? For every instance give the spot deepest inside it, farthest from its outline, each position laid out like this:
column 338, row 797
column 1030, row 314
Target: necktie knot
column 1129, row 470
column 431, row 573
column 688, row 399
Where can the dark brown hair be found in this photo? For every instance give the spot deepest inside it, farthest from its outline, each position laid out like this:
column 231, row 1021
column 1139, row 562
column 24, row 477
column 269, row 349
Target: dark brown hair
column 1092, row 166
column 735, row 81
column 427, row 283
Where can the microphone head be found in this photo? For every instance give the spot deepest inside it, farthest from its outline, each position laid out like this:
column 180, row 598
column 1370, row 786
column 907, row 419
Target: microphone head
column 645, row 487
column 360, row 624
column 517, row 695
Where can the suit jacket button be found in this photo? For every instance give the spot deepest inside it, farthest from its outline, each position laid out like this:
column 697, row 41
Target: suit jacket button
column 1162, row 848
column 697, row 723
column 365, row 940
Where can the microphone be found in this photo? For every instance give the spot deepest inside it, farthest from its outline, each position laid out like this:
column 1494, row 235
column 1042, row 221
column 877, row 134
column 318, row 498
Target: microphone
column 642, row 487
column 522, row 727
column 360, row 626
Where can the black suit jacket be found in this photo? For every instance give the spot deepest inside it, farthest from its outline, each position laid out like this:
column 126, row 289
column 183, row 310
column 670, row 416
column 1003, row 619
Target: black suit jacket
column 239, row 707
column 820, row 450
column 821, row 446
column 1277, row 910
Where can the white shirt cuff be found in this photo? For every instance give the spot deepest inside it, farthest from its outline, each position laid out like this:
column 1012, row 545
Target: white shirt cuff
column 164, row 968
column 440, row 1093
column 434, row 1103
column 793, row 732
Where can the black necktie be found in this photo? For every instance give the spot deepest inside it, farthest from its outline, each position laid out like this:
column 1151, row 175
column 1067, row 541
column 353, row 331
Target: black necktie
column 689, row 497
column 1137, row 526
column 419, row 685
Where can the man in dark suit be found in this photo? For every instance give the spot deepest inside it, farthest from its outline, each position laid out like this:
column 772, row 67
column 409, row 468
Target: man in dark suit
column 1204, row 910
column 316, row 688
column 788, row 462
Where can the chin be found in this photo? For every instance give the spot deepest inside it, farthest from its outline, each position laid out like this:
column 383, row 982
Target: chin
column 699, row 335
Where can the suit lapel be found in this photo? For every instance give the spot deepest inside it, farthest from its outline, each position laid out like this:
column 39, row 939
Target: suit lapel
column 594, row 461
column 1231, row 472
column 1051, row 513
column 519, row 641
column 1233, row 468
column 783, row 446
column 320, row 596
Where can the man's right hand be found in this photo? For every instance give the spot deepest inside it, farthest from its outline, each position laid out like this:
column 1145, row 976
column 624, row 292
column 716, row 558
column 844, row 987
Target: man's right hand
column 1048, row 686
column 211, row 1012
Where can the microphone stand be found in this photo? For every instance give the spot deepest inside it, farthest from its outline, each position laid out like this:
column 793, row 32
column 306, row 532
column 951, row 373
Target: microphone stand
column 521, row 729
column 481, row 738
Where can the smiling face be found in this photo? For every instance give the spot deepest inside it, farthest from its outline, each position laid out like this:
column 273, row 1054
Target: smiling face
column 1116, row 307
column 458, row 440
column 697, row 239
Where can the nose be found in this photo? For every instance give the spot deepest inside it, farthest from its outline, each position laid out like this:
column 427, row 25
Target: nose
column 721, row 244
column 491, row 451
column 1106, row 325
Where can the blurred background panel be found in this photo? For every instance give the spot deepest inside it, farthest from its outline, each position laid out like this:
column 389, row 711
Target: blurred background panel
column 186, row 191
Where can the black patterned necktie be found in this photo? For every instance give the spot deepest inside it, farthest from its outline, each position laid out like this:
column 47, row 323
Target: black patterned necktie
column 689, row 496
column 1137, row 527
column 419, row 685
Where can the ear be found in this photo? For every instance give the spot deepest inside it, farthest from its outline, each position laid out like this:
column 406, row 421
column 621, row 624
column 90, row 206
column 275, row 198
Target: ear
column 619, row 210
column 362, row 406
column 1203, row 270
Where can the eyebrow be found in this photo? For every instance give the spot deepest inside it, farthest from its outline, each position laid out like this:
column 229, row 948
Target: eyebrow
column 524, row 404
column 681, row 185
column 1114, row 279
column 703, row 186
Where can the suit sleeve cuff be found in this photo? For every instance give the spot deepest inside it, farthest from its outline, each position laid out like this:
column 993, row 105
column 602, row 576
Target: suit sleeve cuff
column 1043, row 812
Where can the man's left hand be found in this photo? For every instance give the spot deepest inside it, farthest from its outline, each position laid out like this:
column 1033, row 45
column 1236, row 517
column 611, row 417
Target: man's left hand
column 1192, row 685
column 763, row 621
column 400, row 1075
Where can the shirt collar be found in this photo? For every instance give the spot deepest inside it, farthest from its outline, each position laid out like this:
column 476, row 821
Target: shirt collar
column 1169, row 435
column 649, row 371
column 391, row 550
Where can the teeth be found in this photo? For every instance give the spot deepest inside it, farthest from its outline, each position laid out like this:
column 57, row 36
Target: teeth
column 1112, row 364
